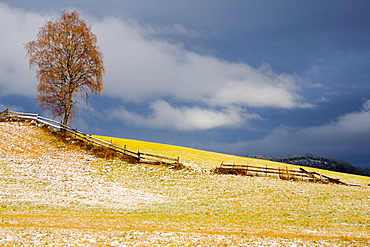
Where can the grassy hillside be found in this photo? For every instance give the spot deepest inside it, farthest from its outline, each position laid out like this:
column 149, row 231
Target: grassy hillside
column 57, row 194
column 209, row 160
column 195, row 209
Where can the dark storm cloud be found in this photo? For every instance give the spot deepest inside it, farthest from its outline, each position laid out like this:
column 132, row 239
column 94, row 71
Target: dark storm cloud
column 266, row 77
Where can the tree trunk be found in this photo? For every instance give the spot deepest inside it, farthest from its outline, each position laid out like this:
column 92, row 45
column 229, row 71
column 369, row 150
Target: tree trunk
column 65, row 119
column 67, row 112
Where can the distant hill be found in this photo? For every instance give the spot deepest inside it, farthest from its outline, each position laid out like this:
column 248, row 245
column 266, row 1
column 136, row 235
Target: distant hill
column 317, row 161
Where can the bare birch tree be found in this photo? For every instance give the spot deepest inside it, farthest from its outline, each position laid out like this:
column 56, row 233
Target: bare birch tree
column 68, row 64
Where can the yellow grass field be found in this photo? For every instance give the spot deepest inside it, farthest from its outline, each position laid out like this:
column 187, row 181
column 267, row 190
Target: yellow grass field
column 200, row 159
column 53, row 193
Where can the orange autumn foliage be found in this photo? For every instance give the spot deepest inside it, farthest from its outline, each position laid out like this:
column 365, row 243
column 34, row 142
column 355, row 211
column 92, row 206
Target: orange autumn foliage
column 69, row 63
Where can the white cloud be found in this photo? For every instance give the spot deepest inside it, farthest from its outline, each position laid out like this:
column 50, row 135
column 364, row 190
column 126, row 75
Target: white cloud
column 185, row 118
column 142, row 67
column 17, row 28
column 349, row 134
column 11, row 107
column 366, row 106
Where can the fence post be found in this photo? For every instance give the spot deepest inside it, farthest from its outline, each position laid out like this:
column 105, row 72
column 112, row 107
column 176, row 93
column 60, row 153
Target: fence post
column 287, row 173
column 138, row 154
column 266, row 171
column 178, row 160
column 124, row 149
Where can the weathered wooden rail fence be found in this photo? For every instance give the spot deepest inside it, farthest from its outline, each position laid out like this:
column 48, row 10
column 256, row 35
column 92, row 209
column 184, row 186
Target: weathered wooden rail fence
column 282, row 173
column 141, row 157
column 138, row 156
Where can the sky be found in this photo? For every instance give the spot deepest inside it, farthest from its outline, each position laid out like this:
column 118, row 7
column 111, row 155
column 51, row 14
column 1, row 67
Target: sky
column 232, row 76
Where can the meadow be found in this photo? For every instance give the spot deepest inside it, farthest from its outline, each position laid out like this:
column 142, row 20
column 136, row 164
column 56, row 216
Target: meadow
column 205, row 160
column 159, row 206
column 198, row 208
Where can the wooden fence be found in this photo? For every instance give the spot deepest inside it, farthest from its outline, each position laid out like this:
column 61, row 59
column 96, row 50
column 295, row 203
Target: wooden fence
column 141, row 157
column 138, row 156
column 282, row 173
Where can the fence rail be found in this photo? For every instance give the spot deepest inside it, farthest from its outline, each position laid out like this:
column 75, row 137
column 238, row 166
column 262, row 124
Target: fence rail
column 282, row 173
column 138, row 156
column 141, row 157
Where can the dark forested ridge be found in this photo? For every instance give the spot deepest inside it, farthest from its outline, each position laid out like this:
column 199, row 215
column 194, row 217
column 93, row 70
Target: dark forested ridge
column 317, row 161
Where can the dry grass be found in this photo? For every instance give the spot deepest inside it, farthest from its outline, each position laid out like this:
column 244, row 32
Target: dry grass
column 189, row 208
column 199, row 159
column 201, row 208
